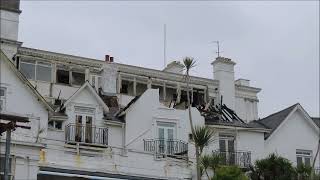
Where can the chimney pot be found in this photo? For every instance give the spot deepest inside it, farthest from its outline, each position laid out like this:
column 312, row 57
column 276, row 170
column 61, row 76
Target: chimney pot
column 107, row 58
column 111, row 59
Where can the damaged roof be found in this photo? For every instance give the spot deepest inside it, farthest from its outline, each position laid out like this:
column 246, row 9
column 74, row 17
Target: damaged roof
column 224, row 116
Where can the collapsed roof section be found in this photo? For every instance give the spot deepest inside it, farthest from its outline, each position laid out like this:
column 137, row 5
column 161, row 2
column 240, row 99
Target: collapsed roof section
column 222, row 115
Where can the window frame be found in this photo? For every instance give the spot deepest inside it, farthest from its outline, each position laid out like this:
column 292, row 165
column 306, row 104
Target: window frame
column 46, row 65
column 166, row 126
column 36, row 63
column 71, row 78
column 96, row 81
column 3, row 98
column 70, row 74
column 54, row 125
column 304, row 154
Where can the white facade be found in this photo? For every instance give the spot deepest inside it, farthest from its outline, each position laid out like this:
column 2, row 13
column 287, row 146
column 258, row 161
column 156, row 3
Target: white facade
column 20, row 100
column 150, row 108
column 296, row 133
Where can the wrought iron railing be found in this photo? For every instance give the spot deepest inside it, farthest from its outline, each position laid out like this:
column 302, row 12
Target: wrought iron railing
column 76, row 133
column 235, row 158
column 167, row 148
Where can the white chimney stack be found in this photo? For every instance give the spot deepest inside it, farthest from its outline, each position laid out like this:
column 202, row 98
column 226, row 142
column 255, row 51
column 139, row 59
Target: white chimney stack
column 223, row 70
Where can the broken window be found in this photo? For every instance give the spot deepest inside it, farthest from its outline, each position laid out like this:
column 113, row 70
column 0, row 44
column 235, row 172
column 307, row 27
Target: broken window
column 198, row 97
column 43, row 71
column 63, row 76
column 78, row 78
column 124, row 89
column 57, row 125
column 28, row 69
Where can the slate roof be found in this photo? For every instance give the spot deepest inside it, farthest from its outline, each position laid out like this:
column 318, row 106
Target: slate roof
column 316, row 120
column 274, row 120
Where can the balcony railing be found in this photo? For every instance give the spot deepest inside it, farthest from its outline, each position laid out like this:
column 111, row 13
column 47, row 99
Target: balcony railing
column 235, row 158
column 91, row 135
column 167, row 148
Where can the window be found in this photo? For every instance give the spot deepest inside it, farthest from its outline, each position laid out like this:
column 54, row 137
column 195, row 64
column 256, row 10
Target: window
column 36, row 70
column 166, row 137
column 2, row 98
column 304, row 157
column 84, row 128
column 2, row 162
column 227, row 148
column 66, row 76
column 28, row 68
column 124, row 89
column 166, row 131
column 43, row 71
column 78, row 78
column 55, row 125
column 63, row 76
column 96, row 81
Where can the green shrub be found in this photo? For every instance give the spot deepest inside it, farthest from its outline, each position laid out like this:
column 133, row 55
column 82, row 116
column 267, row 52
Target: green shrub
column 229, row 173
column 273, row 167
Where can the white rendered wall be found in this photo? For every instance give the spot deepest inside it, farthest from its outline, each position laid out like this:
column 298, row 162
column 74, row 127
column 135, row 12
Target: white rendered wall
column 21, row 101
column 224, row 72
column 296, row 133
column 251, row 141
column 246, row 109
column 9, row 24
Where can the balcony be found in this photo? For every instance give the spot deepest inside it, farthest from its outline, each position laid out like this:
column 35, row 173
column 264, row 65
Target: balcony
column 86, row 135
column 167, row 148
column 235, row 158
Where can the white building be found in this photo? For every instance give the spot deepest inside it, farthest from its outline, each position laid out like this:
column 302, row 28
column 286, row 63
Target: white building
column 294, row 135
column 106, row 120
column 18, row 97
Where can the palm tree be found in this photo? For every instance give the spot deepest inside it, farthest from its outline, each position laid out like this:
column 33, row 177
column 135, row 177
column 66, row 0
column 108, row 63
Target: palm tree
column 189, row 63
column 212, row 162
column 202, row 137
column 205, row 163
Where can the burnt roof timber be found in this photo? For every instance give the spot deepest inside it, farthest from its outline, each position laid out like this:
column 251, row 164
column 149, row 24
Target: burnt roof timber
column 14, row 118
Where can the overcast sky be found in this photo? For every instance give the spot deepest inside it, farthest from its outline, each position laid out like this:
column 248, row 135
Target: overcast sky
column 275, row 44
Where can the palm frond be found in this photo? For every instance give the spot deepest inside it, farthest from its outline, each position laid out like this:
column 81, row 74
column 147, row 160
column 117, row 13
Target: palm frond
column 189, row 63
column 202, row 136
